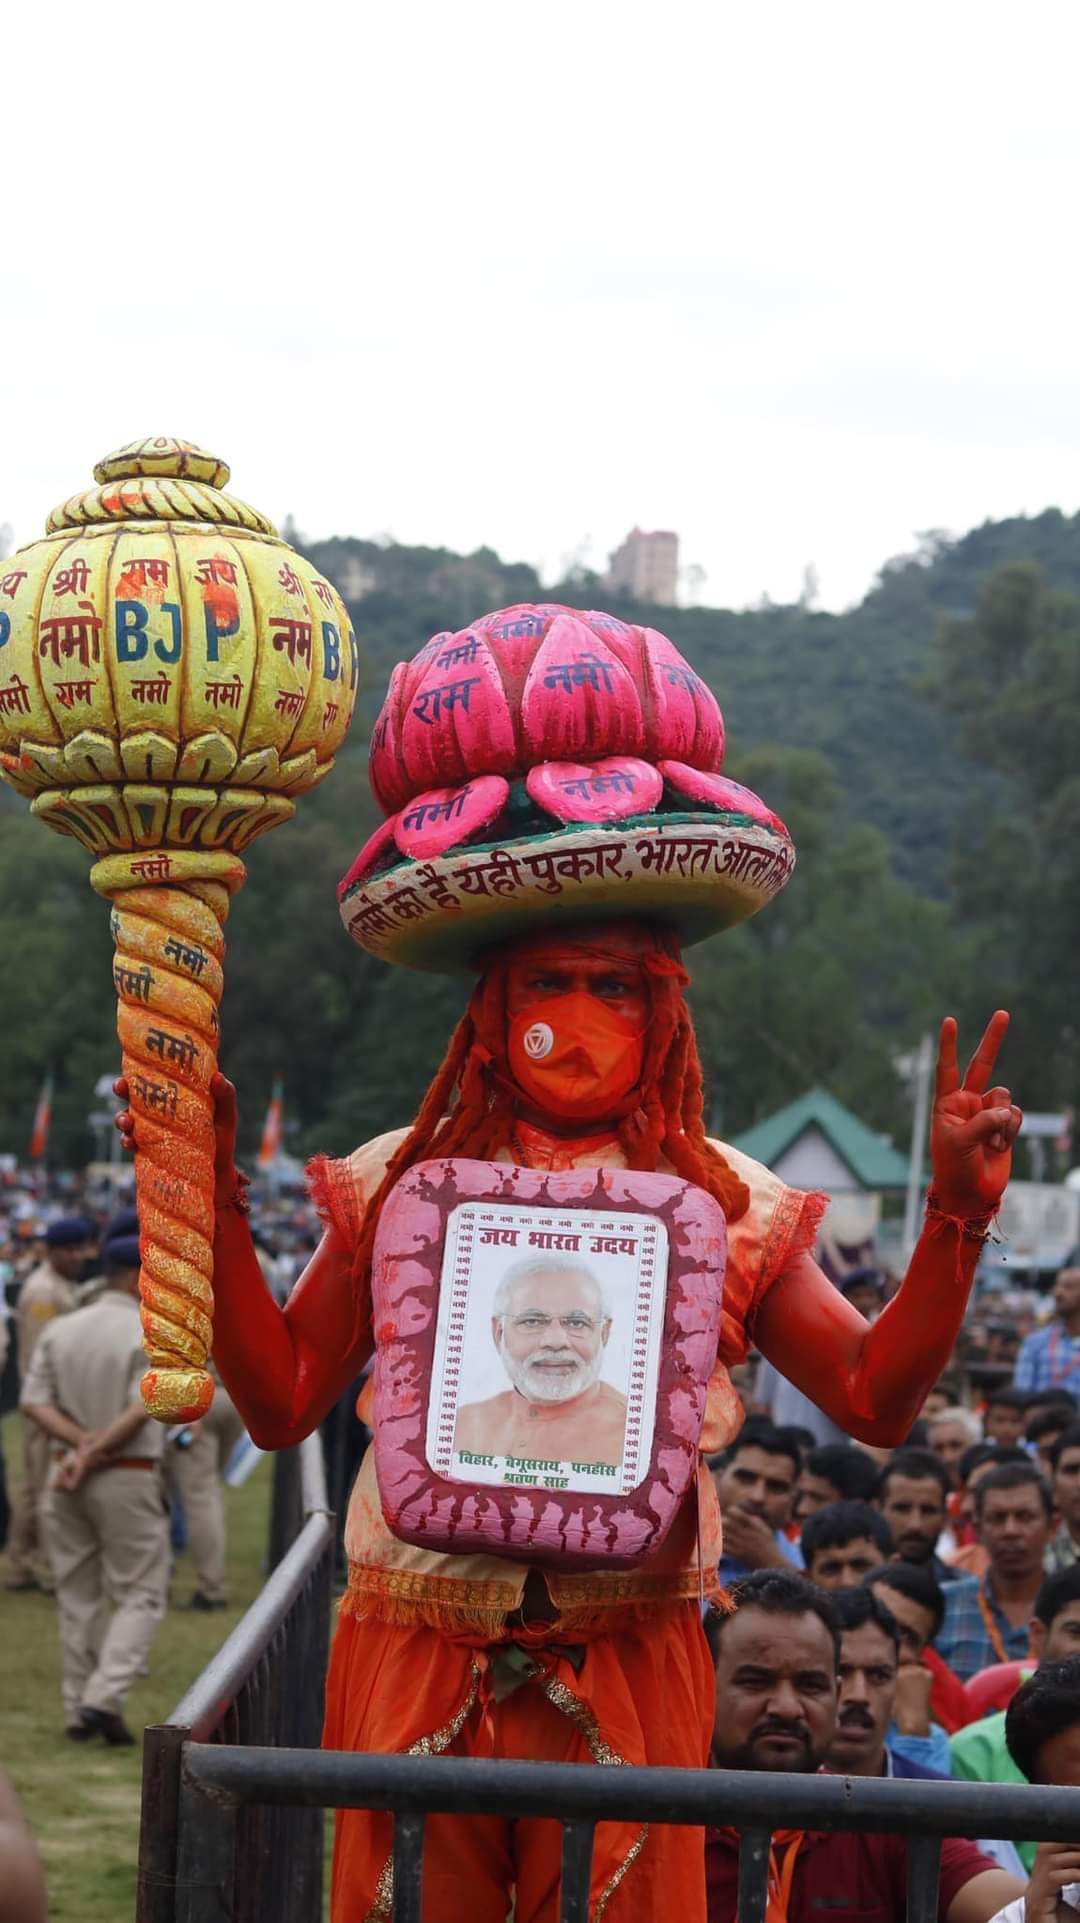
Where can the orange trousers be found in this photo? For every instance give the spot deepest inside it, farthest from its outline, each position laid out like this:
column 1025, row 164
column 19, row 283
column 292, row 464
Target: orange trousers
column 643, row 1694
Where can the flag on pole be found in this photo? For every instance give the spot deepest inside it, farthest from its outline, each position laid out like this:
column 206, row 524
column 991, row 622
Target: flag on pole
column 39, row 1136
column 270, row 1146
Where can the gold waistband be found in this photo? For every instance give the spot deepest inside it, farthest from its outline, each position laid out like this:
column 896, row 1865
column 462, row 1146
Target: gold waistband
column 489, row 1612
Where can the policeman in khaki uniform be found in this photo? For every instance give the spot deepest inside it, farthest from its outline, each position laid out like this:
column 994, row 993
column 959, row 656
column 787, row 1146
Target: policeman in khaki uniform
column 49, row 1290
column 104, row 1513
column 195, row 1473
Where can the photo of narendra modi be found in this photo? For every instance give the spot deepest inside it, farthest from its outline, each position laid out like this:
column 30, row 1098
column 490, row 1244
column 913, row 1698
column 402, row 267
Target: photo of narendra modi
column 547, row 1347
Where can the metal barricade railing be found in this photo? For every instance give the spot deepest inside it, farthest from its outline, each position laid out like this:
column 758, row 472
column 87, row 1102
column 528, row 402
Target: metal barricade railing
column 235, row 1785
column 265, row 1686
column 221, row 1783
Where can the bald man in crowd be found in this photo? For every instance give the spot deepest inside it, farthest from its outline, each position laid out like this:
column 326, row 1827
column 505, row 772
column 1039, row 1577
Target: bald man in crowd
column 550, row 1324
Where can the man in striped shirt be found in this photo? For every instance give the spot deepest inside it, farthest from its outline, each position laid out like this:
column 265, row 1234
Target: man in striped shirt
column 987, row 1618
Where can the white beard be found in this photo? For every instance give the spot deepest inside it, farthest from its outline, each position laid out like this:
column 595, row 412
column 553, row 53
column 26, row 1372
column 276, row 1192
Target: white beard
column 537, row 1385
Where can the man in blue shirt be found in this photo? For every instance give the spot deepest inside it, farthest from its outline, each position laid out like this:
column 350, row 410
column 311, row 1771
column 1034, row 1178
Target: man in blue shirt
column 987, row 1618
column 1050, row 1358
column 756, row 1484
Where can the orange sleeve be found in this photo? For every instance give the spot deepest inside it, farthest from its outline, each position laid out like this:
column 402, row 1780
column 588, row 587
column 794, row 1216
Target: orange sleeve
column 340, row 1186
column 333, row 1191
column 780, row 1223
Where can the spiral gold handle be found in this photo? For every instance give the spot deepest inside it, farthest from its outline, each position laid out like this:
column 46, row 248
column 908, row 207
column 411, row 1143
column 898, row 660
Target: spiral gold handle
column 168, row 933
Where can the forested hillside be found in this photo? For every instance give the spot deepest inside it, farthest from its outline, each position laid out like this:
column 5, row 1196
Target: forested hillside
column 922, row 812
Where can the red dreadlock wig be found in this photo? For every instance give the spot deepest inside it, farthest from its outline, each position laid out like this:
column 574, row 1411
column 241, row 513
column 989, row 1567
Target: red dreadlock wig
column 469, row 1107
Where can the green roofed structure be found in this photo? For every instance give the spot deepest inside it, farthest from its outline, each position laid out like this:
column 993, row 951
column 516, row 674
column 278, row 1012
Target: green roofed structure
column 817, row 1143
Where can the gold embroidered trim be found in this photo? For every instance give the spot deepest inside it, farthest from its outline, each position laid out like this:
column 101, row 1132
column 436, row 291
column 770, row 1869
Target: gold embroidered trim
column 603, row 1603
column 333, row 1192
column 402, row 1597
column 418, row 1585
column 792, row 1231
column 442, row 1739
column 601, row 1752
column 384, row 1894
column 425, row 1746
column 622, row 1586
column 627, row 1863
column 583, row 1719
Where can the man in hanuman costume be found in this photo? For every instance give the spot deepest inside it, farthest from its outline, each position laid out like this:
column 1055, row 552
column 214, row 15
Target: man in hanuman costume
column 557, row 822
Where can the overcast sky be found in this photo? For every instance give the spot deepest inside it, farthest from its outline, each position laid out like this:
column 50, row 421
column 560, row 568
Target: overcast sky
column 794, row 280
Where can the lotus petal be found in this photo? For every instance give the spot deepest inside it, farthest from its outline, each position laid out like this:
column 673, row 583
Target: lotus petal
column 385, row 772
column 370, row 855
column 683, row 719
column 446, row 817
column 606, row 790
column 417, row 667
column 716, row 791
column 513, row 635
column 578, row 698
column 620, row 637
column 457, row 722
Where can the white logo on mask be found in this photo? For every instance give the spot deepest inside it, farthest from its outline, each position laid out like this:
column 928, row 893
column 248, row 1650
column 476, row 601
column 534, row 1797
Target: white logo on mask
column 538, row 1041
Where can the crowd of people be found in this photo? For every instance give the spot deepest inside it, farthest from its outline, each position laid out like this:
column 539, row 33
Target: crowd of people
column 913, row 1612
column 105, row 1500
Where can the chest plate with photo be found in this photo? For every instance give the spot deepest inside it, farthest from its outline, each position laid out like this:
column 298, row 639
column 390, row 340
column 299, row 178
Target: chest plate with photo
column 544, row 1343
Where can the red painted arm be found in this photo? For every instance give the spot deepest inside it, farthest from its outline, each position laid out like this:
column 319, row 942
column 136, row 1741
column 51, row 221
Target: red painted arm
column 872, row 1380
column 283, row 1367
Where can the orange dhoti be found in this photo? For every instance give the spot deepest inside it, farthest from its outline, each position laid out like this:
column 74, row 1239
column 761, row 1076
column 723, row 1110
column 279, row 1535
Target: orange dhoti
column 639, row 1694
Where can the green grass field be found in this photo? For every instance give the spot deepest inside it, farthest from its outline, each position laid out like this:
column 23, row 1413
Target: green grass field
column 82, row 1801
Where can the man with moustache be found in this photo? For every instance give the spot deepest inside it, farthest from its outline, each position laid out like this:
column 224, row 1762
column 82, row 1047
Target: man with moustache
column 882, row 1727
column 912, row 1496
column 916, row 1604
column 550, row 1324
column 879, row 1730
column 776, row 1675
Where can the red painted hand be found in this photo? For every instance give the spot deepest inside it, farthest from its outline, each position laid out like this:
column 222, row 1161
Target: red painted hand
column 974, row 1126
column 225, row 1116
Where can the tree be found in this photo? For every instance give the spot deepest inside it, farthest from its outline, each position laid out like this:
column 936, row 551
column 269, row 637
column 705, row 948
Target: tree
column 846, row 967
column 837, row 974
column 1011, row 674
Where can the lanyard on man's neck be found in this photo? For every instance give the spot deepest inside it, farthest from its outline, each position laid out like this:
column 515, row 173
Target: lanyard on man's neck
column 990, row 1624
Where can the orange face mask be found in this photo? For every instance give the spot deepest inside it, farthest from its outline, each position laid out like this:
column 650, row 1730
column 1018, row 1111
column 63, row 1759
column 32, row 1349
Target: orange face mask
column 575, row 1057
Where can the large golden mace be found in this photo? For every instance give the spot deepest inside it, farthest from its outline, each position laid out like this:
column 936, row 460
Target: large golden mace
column 172, row 674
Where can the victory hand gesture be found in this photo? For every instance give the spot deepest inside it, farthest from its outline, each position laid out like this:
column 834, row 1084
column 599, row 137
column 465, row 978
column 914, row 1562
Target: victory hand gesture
column 974, row 1126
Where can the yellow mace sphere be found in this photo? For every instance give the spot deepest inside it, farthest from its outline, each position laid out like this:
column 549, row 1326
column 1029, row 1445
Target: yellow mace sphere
column 172, row 673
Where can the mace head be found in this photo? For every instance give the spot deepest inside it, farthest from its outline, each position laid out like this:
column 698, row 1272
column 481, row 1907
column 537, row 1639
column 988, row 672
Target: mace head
column 172, row 673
